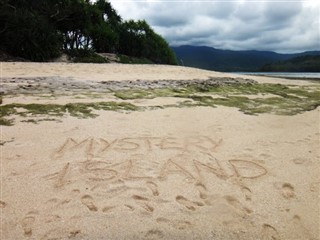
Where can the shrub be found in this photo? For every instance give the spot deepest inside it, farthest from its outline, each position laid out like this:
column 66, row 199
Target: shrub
column 85, row 56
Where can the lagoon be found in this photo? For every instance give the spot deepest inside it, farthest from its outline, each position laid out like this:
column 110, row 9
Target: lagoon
column 306, row 75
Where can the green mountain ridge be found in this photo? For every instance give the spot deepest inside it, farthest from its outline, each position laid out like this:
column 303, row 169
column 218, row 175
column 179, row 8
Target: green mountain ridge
column 228, row 60
column 308, row 63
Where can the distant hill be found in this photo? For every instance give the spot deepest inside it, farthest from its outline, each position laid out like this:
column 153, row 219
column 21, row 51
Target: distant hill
column 228, row 60
column 309, row 63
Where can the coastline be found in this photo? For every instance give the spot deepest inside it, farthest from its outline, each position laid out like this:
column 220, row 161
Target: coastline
column 307, row 76
column 118, row 71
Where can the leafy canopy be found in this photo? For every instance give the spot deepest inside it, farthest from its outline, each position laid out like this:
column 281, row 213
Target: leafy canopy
column 41, row 30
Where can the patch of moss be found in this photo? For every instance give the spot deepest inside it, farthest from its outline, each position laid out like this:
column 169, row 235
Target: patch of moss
column 5, row 111
column 36, row 121
column 40, row 109
column 79, row 110
column 146, row 93
column 116, row 106
column 285, row 99
column 134, row 94
column 30, row 121
column 276, row 105
column 6, row 122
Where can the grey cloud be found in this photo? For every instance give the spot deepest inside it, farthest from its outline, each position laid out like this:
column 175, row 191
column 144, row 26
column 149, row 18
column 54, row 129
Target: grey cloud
column 219, row 10
column 166, row 21
column 248, row 11
column 282, row 11
column 161, row 15
column 277, row 26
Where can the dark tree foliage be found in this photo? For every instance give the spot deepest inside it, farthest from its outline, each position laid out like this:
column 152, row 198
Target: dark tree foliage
column 139, row 40
column 41, row 30
column 26, row 33
column 308, row 63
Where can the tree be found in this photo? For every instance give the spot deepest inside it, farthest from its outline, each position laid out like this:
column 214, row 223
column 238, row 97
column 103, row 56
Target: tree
column 26, row 33
column 105, row 32
column 138, row 39
column 40, row 30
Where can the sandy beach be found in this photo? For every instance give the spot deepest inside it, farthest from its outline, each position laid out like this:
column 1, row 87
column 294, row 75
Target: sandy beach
column 111, row 151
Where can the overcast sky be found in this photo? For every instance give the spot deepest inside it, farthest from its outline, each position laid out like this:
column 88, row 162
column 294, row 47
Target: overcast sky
column 281, row 26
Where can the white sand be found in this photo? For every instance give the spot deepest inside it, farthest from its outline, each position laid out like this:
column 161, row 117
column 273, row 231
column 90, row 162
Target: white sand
column 174, row 173
column 107, row 72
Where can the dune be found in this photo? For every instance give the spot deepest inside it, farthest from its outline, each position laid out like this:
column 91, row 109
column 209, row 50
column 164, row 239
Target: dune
column 84, row 156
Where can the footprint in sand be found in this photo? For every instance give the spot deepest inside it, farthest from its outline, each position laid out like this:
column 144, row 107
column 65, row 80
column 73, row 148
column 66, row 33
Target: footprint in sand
column 154, row 234
column 61, row 233
column 75, row 192
column 27, row 224
column 131, row 208
column 287, row 191
column 247, row 193
column 74, row 233
column 299, row 161
column 143, row 202
column 269, row 233
column 187, row 203
column 137, row 197
column 237, row 204
column 177, row 224
column 108, row 208
column 87, row 200
column 147, row 207
column 314, row 186
column 2, row 204
column 153, row 187
column 202, row 190
column 302, row 231
column 52, row 218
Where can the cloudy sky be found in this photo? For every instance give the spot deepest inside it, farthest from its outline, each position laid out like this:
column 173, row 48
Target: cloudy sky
column 282, row 26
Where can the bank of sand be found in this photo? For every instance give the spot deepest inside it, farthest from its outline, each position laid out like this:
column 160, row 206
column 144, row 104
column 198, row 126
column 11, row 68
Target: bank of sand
column 173, row 173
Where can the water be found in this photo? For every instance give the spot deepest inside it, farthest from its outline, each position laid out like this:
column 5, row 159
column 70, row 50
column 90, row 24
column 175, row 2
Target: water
column 306, row 75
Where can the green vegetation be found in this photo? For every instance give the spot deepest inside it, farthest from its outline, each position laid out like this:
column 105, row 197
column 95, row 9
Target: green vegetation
column 85, row 56
column 266, row 98
column 307, row 63
column 250, row 99
column 42, row 30
column 133, row 60
column 146, row 93
column 79, row 110
column 36, row 121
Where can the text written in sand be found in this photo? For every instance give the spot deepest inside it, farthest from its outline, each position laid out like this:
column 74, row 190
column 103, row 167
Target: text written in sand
column 151, row 158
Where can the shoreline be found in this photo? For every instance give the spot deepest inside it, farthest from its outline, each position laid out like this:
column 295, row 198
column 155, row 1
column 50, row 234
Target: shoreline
column 109, row 72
